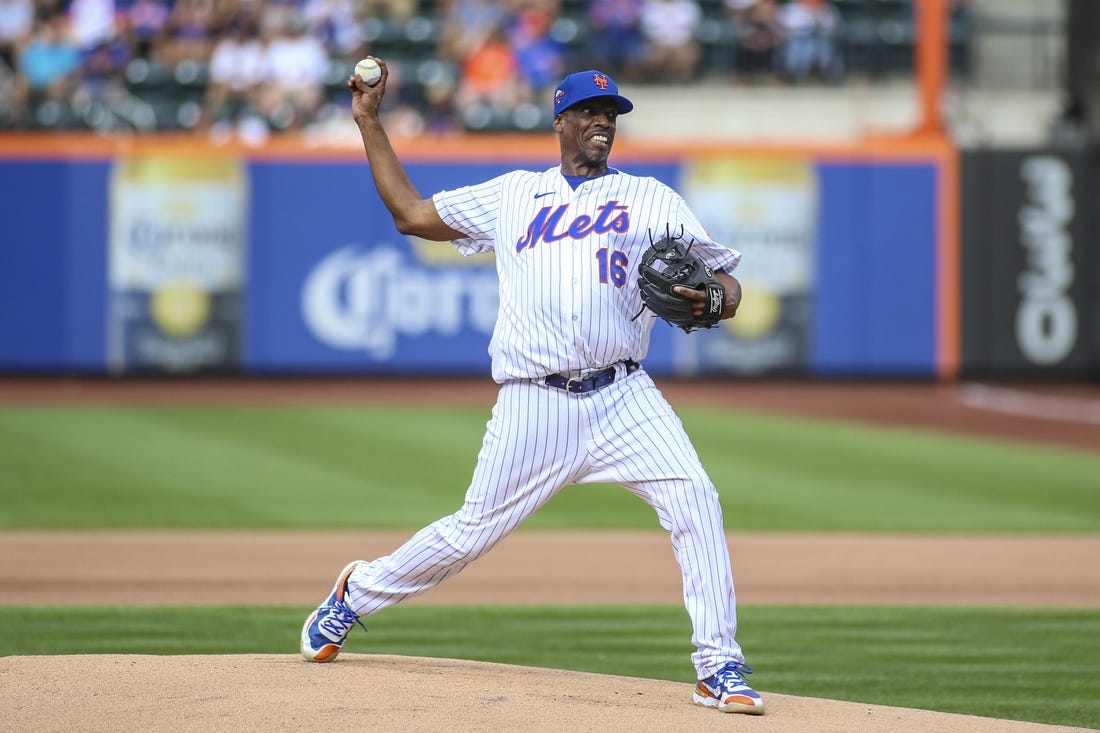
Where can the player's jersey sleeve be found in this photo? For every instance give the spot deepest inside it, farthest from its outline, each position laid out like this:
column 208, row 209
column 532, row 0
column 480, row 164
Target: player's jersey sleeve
column 718, row 256
column 472, row 210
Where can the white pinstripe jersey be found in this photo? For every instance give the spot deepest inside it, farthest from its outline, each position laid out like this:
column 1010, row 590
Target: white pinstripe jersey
column 567, row 263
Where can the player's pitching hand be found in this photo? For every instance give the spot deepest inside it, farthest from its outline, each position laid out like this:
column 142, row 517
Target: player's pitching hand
column 365, row 100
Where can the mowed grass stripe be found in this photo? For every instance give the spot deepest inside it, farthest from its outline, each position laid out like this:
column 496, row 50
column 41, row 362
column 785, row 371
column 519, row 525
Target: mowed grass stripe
column 367, row 467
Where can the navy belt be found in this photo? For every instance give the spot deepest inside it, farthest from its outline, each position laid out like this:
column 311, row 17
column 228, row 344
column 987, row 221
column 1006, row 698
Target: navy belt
column 598, row 380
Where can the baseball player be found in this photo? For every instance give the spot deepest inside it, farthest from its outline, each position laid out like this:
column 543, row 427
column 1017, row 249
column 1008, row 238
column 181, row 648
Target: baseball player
column 575, row 405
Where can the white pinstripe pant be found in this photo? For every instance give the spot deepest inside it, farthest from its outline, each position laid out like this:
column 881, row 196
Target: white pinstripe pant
column 541, row 439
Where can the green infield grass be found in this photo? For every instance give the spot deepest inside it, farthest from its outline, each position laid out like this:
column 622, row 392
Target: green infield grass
column 1024, row 664
column 402, row 467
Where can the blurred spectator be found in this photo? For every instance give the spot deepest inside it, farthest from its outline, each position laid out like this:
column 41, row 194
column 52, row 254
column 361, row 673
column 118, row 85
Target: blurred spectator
column 145, row 22
column 48, row 8
column 334, row 22
column 439, row 107
column 16, row 25
column 276, row 16
column 49, row 71
column 104, row 65
column 91, row 22
column 962, row 11
column 490, row 87
column 467, row 26
column 672, row 52
column 809, row 32
column 962, row 31
column 754, row 26
column 614, row 40
column 400, row 111
column 296, row 66
column 231, row 104
column 401, row 10
column 103, row 100
column 191, row 32
column 12, row 113
column 736, row 18
column 540, row 58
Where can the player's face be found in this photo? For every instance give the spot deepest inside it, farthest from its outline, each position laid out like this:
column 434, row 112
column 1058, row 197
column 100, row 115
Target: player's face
column 587, row 132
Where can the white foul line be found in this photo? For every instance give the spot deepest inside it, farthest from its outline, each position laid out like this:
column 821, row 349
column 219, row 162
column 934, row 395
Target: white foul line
column 1026, row 404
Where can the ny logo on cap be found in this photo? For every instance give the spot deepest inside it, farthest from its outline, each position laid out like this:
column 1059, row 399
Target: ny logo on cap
column 600, row 80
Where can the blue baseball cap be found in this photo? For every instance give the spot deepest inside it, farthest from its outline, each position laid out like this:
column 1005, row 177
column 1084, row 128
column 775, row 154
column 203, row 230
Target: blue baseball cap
column 587, row 85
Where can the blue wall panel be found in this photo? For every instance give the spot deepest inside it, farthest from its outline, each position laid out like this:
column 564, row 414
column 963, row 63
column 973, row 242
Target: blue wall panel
column 30, row 259
column 319, row 235
column 839, row 317
column 85, row 218
column 901, row 242
column 875, row 299
column 52, row 258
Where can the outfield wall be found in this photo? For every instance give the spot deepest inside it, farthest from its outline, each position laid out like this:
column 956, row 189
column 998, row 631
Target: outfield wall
column 171, row 257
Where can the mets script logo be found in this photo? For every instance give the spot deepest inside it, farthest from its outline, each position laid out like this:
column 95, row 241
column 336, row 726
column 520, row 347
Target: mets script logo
column 550, row 224
column 600, row 80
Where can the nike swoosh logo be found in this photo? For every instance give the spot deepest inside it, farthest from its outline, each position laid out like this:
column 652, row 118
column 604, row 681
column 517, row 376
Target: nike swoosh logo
column 540, row 195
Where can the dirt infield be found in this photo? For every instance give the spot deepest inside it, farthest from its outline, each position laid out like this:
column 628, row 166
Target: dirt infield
column 220, row 568
column 405, row 694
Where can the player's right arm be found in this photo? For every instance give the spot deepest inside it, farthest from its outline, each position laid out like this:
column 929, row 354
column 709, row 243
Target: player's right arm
column 412, row 213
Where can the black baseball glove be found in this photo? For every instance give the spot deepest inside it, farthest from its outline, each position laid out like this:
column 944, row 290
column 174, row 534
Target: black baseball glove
column 668, row 262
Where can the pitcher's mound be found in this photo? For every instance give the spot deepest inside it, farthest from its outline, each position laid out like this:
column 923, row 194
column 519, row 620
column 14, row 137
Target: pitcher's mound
column 392, row 693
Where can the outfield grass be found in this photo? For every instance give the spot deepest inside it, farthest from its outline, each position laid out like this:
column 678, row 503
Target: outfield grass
column 1022, row 664
column 390, row 467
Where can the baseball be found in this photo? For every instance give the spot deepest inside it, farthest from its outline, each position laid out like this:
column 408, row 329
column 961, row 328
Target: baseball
column 369, row 71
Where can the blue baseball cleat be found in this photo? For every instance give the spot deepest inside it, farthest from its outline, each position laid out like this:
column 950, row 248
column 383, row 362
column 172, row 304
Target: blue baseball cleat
column 325, row 630
column 728, row 691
